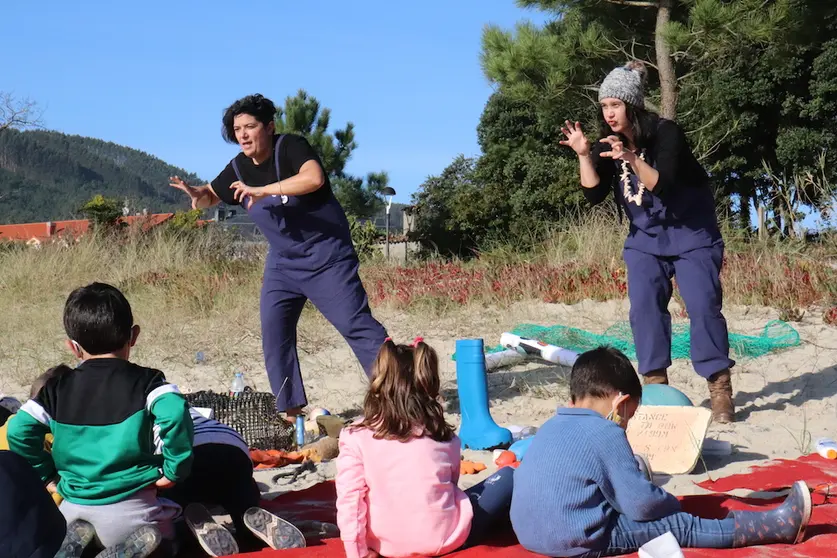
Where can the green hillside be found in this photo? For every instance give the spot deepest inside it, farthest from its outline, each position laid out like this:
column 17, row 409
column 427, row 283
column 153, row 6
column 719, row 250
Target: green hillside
column 49, row 175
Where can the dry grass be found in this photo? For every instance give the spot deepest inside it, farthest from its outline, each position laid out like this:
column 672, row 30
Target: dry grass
column 185, row 292
column 583, row 261
column 194, row 293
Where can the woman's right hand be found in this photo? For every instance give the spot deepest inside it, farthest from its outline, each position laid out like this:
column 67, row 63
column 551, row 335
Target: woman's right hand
column 576, row 139
column 194, row 194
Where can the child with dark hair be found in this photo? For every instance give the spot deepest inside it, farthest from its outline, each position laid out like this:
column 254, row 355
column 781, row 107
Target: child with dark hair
column 403, row 435
column 579, row 491
column 101, row 415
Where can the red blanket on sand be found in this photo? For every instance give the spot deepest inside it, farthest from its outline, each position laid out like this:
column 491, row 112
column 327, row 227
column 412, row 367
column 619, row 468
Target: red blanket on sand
column 821, row 539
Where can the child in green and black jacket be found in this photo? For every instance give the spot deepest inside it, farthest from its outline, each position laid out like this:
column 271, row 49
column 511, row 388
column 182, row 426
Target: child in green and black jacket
column 102, row 416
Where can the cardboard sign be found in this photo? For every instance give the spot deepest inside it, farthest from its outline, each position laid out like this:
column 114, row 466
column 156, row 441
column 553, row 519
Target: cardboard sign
column 670, row 437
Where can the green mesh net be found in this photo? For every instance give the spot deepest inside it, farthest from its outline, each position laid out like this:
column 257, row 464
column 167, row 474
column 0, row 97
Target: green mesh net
column 775, row 336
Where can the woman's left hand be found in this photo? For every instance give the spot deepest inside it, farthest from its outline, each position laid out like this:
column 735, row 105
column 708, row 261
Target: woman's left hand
column 241, row 190
column 617, row 150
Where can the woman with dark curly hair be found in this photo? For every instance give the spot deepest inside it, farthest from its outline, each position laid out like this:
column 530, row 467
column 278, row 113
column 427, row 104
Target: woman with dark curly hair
column 281, row 183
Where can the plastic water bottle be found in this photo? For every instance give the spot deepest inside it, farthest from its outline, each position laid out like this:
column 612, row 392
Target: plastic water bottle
column 827, row 448
column 237, row 387
column 300, row 431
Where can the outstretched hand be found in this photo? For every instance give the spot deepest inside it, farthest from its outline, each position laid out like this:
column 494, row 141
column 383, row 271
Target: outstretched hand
column 194, row 194
column 576, row 139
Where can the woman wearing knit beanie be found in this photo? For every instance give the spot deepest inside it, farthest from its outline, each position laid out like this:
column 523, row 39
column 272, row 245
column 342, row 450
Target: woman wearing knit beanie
column 657, row 181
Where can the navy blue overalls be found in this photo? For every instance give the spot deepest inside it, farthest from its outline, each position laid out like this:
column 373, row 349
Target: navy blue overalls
column 310, row 257
column 678, row 236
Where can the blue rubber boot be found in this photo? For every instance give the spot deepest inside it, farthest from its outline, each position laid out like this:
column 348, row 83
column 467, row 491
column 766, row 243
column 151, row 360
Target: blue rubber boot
column 478, row 430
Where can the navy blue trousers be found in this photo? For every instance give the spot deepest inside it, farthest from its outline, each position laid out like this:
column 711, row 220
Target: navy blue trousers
column 491, row 500
column 336, row 291
column 649, row 291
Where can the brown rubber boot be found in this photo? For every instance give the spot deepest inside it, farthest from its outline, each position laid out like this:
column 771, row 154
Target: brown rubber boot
column 655, row 377
column 720, row 395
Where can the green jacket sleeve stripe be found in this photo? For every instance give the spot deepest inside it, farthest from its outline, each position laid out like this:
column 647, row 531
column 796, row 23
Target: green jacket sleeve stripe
column 171, row 416
column 26, row 432
column 159, row 392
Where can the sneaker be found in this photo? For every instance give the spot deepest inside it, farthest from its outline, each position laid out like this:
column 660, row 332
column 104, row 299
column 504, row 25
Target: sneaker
column 276, row 533
column 139, row 544
column 213, row 538
column 79, row 535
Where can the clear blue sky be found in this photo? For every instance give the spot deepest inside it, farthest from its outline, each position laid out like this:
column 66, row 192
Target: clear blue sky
column 156, row 75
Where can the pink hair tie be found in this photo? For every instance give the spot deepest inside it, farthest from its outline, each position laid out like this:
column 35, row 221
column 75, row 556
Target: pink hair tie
column 417, row 340
column 387, row 339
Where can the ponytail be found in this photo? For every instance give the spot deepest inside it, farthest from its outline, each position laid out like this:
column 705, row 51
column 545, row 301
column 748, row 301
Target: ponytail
column 403, row 398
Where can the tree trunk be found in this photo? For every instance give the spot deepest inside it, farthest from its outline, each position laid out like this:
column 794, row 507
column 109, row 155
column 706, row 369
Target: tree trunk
column 665, row 65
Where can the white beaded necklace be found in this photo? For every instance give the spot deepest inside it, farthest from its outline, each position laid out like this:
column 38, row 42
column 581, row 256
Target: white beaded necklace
column 626, row 183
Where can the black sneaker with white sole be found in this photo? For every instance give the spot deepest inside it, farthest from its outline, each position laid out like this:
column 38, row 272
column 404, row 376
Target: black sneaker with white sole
column 276, row 533
column 213, row 538
column 139, row 544
column 79, row 535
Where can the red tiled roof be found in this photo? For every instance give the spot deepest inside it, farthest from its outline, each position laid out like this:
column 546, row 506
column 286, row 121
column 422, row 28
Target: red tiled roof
column 75, row 228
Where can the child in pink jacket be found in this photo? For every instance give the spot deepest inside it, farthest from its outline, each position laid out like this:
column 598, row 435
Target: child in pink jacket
column 398, row 468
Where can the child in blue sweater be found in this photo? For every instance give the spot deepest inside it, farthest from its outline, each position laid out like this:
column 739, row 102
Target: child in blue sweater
column 580, row 492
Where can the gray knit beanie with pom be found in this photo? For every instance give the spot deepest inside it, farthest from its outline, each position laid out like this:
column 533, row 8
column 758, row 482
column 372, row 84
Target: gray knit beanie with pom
column 626, row 83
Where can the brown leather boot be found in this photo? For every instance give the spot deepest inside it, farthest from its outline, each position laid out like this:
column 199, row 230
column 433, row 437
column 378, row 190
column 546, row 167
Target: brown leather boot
column 720, row 395
column 655, row 377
